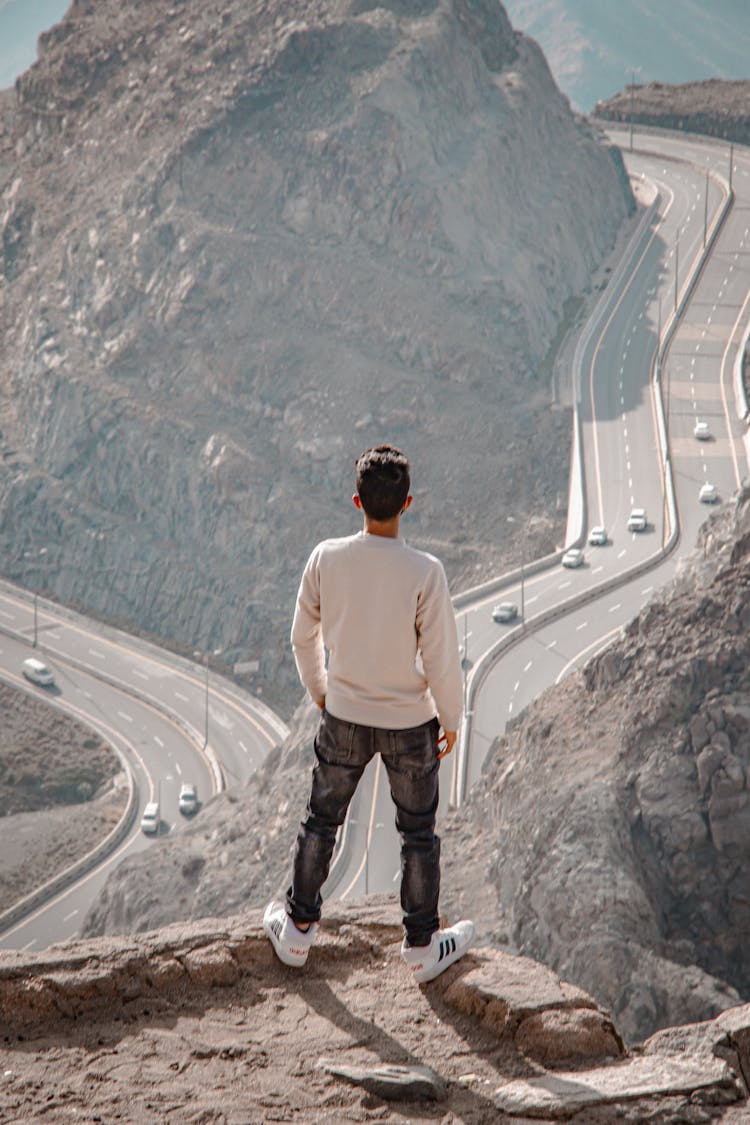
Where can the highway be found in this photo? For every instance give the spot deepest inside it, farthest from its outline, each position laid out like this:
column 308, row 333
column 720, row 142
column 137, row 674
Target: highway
column 169, row 723
column 623, row 427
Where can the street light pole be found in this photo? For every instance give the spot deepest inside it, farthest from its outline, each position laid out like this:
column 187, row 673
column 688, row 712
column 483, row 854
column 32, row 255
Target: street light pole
column 205, row 739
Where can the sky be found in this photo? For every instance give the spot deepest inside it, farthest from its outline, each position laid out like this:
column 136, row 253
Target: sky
column 20, row 24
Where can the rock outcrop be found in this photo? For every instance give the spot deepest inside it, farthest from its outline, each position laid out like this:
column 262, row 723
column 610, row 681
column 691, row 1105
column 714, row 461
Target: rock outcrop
column 714, row 107
column 239, row 242
column 608, row 835
column 201, row 1023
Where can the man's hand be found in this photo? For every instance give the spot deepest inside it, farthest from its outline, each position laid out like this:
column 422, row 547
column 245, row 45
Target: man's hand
column 446, row 742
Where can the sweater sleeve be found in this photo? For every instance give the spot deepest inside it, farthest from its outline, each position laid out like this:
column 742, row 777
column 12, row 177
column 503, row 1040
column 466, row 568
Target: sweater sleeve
column 438, row 643
column 307, row 637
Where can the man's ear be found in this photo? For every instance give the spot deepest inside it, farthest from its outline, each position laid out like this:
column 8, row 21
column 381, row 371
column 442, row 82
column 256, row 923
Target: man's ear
column 356, row 501
column 407, row 503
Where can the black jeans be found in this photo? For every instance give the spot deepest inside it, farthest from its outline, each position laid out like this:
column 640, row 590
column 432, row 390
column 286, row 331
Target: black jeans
column 410, row 757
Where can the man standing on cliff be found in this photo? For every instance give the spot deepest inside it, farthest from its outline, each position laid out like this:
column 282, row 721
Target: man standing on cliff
column 382, row 611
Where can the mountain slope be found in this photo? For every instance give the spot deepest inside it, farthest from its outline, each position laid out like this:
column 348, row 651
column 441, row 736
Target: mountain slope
column 243, row 241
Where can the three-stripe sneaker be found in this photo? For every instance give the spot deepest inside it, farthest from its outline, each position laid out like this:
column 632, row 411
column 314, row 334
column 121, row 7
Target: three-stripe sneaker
column 291, row 945
column 446, row 947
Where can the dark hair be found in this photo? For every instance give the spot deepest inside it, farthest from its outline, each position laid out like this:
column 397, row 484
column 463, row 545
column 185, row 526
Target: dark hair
column 382, row 481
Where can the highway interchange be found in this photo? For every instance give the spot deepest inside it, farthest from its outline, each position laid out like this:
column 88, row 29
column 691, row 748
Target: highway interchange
column 155, row 707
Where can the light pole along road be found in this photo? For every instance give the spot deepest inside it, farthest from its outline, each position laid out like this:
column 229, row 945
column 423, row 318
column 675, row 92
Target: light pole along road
column 623, row 459
column 153, row 707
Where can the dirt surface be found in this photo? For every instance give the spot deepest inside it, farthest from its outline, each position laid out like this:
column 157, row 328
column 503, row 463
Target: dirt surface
column 61, row 792
column 200, row 1024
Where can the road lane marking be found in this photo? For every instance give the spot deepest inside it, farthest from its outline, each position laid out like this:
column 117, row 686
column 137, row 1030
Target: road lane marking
column 243, row 747
column 647, row 590
column 597, row 569
column 98, row 655
column 177, row 767
column 528, row 666
column 158, row 741
column 7, row 616
column 184, row 698
column 563, row 585
column 127, row 718
column 141, row 675
column 624, row 550
column 71, row 915
column 583, row 625
column 614, row 608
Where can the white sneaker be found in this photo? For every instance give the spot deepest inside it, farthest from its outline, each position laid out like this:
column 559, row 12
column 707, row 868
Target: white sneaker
column 446, row 947
column 290, row 944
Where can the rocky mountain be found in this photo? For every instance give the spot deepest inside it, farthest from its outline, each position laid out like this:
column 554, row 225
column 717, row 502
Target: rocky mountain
column 592, row 47
column 607, row 836
column 716, row 108
column 241, row 241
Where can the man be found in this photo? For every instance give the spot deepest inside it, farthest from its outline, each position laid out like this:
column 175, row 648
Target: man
column 382, row 611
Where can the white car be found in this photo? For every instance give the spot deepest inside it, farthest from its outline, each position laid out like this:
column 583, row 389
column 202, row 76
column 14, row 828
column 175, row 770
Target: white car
column 188, row 800
column 38, row 672
column 151, row 819
column 598, row 536
column 573, row 557
column 702, row 431
column 505, row 612
column 637, row 519
column 708, row 494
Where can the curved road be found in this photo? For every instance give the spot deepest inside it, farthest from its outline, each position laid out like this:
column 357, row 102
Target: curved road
column 155, row 709
column 623, row 461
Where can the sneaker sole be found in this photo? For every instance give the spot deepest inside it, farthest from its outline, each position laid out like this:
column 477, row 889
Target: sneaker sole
column 424, row 976
column 287, row 957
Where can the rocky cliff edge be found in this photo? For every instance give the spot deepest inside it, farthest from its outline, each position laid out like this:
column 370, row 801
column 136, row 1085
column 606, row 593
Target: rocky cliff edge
column 200, row 1023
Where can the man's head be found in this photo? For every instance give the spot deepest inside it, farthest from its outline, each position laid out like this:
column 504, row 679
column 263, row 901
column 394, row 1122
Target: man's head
column 383, row 482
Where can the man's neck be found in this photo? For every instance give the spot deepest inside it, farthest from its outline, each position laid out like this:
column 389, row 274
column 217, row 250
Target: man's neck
column 386, row 529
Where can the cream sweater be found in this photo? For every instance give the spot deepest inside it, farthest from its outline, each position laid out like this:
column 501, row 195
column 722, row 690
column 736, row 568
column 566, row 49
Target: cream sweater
column 383, row 612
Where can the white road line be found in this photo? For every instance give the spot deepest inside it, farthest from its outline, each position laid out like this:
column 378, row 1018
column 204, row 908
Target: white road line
column 158, row 741
column 395, row 877
column 518, row 684
column 623, row 551
column 530, row 601
column 127, row 718
column 583, row 625
column 71, row 915
column 597, row 569
column 98, row 655
column 528, row 665
column 552, row 644
column 510, row 707
column 184, row 698
column 563, row 585
column 177, row 767
column 29, row 944
column 7, row 616
column 243, row 747
column 141, row 675
column 614, row 608
column 647, row 590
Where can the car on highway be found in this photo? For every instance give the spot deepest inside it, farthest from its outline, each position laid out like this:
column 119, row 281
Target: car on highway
column 187, row 801
column 505, row 612
column 573, row 557
column 38, row 672
column 637, row 519
column 151, row 818
column 702, row 431
column 598, row 536
column 708, row 494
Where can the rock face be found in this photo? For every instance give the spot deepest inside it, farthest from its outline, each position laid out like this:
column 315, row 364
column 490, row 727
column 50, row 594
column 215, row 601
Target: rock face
column 714, row 107
column 240, row 242
column 201, row 1023
column 608, row 836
